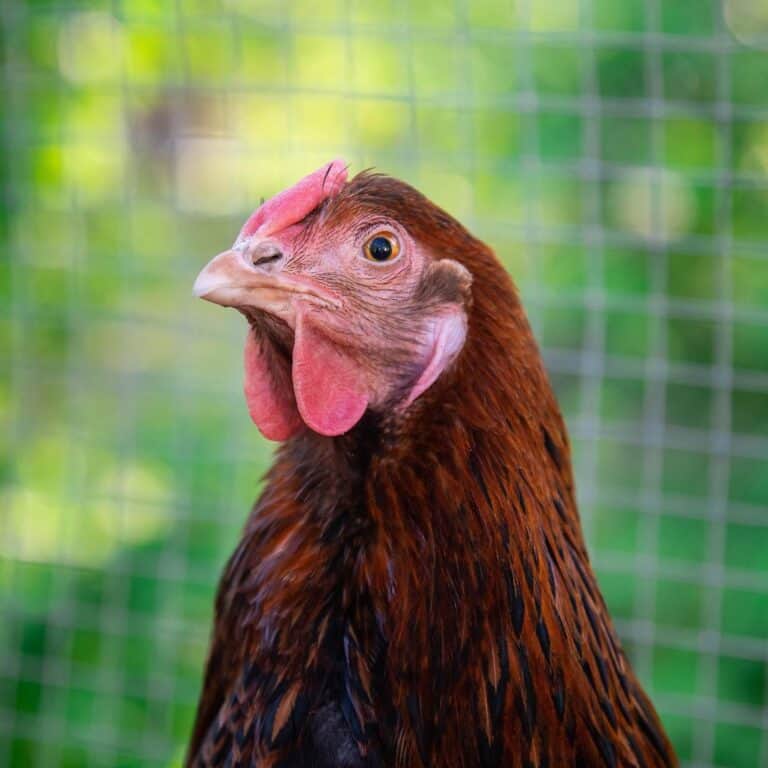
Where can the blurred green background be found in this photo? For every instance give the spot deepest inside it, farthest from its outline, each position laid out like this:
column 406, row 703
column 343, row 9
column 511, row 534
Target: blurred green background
column 615, row 154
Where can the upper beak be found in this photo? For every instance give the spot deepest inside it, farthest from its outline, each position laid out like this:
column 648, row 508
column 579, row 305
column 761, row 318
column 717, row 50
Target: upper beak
column 226, row 279
column 253, row 277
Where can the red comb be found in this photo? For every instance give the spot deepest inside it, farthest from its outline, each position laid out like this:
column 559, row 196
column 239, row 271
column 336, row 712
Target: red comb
column 293, row 204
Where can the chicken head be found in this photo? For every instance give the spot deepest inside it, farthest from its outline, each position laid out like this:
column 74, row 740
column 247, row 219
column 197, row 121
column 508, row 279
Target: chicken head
column 349, row 307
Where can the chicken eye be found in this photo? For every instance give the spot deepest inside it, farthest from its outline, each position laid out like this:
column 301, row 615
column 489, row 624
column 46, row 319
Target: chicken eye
column 382, row 247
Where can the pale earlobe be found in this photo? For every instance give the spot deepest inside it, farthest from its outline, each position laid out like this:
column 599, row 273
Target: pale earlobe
column 447, row 286
column 449, row 332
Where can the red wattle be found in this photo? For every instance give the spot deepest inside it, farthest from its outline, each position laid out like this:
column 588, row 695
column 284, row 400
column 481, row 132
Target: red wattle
column 329, row 386
column 269, row 391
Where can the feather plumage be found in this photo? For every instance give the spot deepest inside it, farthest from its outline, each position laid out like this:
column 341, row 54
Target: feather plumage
column 417, row 592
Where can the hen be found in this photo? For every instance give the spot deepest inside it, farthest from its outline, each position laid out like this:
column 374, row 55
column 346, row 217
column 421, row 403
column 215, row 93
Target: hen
column 412, row 588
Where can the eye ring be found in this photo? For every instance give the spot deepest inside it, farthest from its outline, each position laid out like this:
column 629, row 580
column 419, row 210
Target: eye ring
column 381, row 248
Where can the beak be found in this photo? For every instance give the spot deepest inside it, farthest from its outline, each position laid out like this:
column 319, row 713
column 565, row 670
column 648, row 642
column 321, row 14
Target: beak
column 248, row 278
column 226, row 279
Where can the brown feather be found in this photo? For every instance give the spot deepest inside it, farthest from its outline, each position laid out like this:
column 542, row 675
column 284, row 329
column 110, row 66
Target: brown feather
column 427, row 573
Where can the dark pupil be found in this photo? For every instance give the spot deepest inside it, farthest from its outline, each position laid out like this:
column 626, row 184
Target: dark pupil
column 380, row 249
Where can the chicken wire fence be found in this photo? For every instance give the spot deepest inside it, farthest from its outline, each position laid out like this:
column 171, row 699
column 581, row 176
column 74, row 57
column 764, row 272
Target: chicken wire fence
column 614, row 152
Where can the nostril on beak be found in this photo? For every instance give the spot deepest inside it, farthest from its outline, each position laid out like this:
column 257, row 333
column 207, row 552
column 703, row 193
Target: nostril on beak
column 266, row 256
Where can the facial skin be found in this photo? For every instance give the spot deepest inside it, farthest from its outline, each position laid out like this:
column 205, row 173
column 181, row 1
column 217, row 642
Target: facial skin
column 347, row 310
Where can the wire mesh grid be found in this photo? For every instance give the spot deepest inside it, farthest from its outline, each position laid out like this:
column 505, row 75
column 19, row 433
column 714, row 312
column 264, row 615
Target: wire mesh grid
column 614, row 154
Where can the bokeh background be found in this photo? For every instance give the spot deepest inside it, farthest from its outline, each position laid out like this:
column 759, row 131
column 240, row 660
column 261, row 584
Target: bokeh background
column 615, row 154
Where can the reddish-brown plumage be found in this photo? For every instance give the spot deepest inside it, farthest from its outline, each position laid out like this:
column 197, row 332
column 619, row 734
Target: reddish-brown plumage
column 417, row 591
